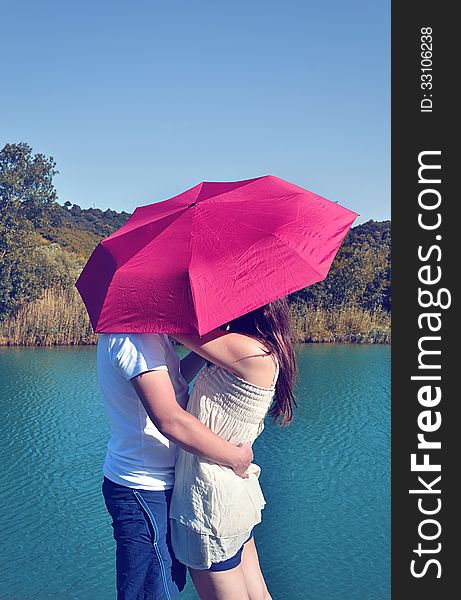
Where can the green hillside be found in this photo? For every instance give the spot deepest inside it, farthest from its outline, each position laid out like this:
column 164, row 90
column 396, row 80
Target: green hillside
column 78, row 229
column 44, row 246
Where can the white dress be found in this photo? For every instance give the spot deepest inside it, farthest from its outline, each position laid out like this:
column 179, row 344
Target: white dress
column 213, row 510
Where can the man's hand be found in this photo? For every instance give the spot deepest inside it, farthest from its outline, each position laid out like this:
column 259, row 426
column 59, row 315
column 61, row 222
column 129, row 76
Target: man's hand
column 243, row 458
column 156, row 393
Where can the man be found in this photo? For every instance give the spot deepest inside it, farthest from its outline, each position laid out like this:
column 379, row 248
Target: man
column 144, row 386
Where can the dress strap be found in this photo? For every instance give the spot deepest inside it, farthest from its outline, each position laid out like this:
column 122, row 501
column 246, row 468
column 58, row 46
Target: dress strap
column 277, row 369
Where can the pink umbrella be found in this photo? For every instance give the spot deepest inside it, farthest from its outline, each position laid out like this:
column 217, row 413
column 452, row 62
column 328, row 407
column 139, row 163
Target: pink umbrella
column 211, row 254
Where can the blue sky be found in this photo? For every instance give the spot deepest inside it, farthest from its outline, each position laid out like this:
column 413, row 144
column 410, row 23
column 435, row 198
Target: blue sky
column 138, row 101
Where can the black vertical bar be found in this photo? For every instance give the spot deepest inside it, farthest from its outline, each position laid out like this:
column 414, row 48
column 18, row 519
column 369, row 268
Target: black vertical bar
column 424, row 120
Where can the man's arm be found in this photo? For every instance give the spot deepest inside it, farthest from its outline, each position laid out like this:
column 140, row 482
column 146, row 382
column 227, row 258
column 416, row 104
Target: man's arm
column 156, row 393
column 191, row 365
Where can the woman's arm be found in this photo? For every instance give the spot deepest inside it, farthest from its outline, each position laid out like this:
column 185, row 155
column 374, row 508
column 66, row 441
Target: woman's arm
column 241, row 354
column 191, row 365
column 156, row 392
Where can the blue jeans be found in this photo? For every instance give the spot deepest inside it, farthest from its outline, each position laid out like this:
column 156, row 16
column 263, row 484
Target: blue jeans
column 146, row 566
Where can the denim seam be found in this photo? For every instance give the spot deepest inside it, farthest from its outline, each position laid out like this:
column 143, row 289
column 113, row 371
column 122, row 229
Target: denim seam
column 151, row 518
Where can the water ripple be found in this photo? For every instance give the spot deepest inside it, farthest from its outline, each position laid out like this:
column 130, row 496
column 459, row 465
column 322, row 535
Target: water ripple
column 325, row 531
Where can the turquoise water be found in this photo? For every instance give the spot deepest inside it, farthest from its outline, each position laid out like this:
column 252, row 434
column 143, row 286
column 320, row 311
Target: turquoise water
column 326, row 528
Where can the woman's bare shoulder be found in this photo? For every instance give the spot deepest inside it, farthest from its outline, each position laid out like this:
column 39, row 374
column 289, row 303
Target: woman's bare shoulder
column 244, row 345
column 253, row 360
column 240, row 353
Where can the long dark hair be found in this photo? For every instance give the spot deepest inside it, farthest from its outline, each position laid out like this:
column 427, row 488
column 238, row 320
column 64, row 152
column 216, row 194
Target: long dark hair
column 272, row 325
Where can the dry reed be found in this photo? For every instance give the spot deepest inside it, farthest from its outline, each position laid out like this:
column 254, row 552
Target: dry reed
column 60, row 318
column 343, row 324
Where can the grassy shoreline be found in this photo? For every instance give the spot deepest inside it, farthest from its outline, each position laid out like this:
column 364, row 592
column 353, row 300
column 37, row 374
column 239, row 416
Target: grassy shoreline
column 59, row 318
column 345, row 324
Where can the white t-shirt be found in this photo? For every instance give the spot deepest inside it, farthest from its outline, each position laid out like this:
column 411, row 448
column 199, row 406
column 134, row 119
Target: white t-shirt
column 138, row 455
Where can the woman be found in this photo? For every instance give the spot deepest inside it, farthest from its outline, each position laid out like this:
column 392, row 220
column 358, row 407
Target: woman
column 251, row 371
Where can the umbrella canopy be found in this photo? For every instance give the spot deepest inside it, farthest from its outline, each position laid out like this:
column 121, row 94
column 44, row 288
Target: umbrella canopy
column 211, row 254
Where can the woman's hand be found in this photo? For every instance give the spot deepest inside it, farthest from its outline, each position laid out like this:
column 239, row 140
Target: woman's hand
column 244, row 456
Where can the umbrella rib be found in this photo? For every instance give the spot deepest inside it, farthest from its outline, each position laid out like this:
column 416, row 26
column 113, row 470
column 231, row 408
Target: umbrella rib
column 248, row 182
column 136, row 230
column 190, row 260
column 118, row 235
column 249, row 199
column 199, row 191
column 299, row 255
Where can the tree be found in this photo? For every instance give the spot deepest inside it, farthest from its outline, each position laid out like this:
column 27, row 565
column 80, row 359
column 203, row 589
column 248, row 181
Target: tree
column 26, row 184
column 360, row 273
column 27, row 200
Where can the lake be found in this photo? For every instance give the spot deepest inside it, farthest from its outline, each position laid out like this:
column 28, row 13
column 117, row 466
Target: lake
column 325, row 533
